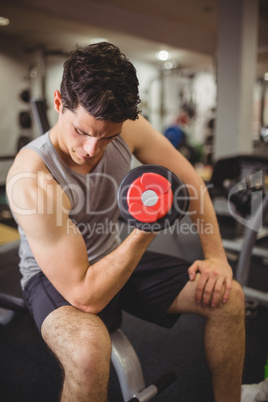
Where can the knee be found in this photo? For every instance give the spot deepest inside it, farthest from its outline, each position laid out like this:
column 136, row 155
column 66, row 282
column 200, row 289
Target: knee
column 79, row 340
column 92, row 349
column 236, row 303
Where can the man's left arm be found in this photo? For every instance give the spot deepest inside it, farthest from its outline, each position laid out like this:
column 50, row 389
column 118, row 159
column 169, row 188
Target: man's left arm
column 149, row 146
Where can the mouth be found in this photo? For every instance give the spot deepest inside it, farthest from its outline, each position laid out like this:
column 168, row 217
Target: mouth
column 84, row 157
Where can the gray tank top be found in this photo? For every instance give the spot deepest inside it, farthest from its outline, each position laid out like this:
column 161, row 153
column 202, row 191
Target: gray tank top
column 93, row 200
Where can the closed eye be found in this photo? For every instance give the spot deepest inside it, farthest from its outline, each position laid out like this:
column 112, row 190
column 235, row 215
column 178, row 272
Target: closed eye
column 80, row 132
column 111, row 137
column 83, row 133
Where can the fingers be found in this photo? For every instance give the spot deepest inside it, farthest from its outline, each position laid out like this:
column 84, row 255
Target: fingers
column 209, row 291
column 202, row 290
column 221, row 285
column 193, row 270
column 213, row 286
column 228, row 288
column 216, row 297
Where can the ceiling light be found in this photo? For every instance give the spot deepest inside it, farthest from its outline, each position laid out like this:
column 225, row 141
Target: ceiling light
column 163, row 55
column 4, row 21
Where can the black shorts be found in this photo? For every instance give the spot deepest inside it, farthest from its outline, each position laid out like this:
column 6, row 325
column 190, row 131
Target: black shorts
column 149, row 292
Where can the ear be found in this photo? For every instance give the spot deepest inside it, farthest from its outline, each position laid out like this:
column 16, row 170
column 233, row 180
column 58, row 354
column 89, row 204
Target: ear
column 57, row 101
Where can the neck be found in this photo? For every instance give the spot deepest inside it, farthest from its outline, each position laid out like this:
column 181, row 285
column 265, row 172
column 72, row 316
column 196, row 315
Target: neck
column 59, row 145
column 64, row 154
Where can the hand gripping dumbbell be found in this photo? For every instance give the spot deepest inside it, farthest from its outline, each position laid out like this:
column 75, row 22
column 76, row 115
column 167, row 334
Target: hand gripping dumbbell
column 152, row 198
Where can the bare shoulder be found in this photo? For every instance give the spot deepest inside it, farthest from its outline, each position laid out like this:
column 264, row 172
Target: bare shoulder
column 145, row 142
column 136, row 132
column 26, row 161
column 151, row 147
column 31, row 188
column 22, row 179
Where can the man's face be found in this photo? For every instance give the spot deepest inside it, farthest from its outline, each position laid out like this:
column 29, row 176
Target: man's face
column 83, row 137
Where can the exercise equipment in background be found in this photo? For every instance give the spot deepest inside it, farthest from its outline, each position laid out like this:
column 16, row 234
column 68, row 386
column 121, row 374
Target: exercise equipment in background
column 25, row 120
column 244, row 261
column 263, row 114
column 238, row 189
column 246, row 174
column 176, row 135
column 39, row 108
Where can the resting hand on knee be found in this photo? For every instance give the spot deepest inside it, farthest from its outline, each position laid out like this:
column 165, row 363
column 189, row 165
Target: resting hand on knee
column 214, row 283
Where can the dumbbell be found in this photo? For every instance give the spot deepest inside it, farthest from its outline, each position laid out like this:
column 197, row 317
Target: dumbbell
column 152, row 198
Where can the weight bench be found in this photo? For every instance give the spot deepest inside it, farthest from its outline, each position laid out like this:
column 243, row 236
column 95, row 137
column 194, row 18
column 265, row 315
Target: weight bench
column 124, row 358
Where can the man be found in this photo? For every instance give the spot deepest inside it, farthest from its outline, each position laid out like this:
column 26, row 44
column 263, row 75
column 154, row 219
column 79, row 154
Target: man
column 77, row 279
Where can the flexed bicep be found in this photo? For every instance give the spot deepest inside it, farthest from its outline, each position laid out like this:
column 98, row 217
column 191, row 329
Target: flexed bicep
column 42, row 208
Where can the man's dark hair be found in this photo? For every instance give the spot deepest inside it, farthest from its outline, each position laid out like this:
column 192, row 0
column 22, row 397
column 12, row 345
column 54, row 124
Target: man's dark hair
column 102, row 80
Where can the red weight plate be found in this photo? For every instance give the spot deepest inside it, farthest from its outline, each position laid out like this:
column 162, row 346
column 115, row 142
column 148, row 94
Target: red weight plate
column 154, row 181
column 161, row 186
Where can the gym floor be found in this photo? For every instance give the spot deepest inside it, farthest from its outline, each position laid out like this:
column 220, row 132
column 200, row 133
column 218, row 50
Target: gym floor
column 30, row 373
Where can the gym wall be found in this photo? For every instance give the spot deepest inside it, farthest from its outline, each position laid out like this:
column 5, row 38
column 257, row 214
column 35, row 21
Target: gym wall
column 13, row 68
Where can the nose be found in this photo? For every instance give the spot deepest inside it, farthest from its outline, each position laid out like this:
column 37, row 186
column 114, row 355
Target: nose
column 91, row 146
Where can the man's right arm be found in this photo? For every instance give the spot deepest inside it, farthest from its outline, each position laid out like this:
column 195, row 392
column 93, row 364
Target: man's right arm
column 42, row 209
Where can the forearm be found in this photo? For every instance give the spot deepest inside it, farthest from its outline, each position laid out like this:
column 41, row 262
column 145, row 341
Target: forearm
column 204, row 216
column 104, row 279
column 215, row 281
